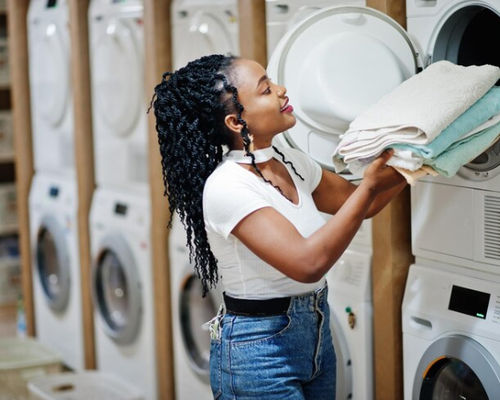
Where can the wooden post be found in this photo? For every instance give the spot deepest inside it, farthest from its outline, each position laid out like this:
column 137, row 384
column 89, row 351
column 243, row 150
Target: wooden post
column 252, row 30
column 391, row 260
column 394, row 8
column 84, row 160
column 17, row 11
column 158, row 60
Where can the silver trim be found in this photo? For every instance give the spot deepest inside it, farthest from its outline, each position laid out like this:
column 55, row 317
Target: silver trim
column 119, row 246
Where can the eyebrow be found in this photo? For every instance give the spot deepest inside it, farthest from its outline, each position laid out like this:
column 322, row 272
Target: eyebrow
column 262, row 79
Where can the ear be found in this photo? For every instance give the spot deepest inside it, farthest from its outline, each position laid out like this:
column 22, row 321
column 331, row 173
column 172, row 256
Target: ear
column 231, row 121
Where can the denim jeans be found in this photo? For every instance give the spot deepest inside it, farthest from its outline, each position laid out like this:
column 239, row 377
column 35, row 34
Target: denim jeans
column 287, row 356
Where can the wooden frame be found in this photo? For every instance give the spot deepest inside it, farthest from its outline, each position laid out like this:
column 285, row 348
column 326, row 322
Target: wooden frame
column 21, row 112
column 84, row 162
column 157, row 37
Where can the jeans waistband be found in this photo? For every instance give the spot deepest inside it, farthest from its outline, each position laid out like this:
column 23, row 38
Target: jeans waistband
column 274, row 306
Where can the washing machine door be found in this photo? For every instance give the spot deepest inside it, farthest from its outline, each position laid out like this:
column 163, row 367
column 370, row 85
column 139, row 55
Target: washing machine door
column 194, row 312
column 117, row 289
column 53, row 263
column 49, row 71
column 207, row 34
column 335, row 64
column 117, row 74
column 457, row 367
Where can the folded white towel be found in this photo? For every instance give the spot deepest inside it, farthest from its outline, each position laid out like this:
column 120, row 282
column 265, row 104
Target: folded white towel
column 430, row 100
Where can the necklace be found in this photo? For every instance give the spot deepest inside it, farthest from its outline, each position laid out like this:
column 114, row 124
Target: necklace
column 261, row 155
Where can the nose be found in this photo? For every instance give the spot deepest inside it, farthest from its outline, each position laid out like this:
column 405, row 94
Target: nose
column 281, row 91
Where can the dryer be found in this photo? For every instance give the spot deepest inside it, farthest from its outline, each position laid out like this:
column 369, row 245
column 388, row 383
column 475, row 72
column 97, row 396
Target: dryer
column 56, row 267
column 201, row 27
column 334, row 63
column 190, row 313
column 122, row 287
column 455, row 220
column 116, row 40
column 451, row 333
column 282, row 15
column 51, row 94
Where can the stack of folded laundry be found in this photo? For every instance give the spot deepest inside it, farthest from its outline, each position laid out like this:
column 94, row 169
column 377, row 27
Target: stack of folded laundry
column 436, row 122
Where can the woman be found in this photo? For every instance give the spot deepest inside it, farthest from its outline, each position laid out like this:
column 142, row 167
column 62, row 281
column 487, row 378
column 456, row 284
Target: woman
column 252, row 218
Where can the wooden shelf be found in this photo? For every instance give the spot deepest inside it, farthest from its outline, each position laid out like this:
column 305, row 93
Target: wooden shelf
column 10, row 229
column 6, row 158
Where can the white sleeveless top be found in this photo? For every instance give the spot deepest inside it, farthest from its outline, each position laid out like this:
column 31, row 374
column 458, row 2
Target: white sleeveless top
column 231, row 193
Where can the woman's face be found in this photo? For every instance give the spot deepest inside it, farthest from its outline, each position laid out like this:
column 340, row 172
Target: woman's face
column 266, row 108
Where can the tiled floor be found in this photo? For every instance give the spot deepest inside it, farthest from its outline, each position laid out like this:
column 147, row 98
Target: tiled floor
column 8, row 320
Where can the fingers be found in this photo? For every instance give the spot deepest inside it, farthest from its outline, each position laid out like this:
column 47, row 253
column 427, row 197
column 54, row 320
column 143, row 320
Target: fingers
column 382, row 159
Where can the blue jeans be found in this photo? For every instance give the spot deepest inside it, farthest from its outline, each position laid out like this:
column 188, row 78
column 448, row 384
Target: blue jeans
column 288, row 356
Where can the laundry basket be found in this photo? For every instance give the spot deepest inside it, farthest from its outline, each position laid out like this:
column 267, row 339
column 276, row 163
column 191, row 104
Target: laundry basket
column 84, row 385
column 20, row 360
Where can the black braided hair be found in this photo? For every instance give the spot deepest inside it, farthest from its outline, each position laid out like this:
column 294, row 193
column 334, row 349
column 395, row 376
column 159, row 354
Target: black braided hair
column 190, row 105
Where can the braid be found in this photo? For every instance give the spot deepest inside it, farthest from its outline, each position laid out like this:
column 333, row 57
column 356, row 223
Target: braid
column 190, row 105
column 189, row 121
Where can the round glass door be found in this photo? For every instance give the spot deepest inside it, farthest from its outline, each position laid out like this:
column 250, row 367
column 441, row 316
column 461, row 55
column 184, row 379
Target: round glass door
column 49, row 73
column 52, row 263
column 451, row 379
column 456, row 367
column 464, row 37
column 117, row 72
column 194, row 311
column 117, row 291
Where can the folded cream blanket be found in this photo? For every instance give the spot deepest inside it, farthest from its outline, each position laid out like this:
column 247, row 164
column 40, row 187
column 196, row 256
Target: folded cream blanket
column 417, row 110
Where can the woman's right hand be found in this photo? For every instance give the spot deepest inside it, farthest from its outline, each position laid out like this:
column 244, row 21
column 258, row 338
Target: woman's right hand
column 379, row 177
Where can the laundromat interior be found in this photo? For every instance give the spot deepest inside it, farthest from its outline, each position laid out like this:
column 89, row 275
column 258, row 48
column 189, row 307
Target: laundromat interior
column 98, row 296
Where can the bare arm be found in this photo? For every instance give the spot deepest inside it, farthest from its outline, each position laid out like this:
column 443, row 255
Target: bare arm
column 307, row 259
column 333, row 190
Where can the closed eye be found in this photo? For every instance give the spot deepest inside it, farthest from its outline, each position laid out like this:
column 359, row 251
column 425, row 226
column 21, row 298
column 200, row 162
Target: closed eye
column 267, row 91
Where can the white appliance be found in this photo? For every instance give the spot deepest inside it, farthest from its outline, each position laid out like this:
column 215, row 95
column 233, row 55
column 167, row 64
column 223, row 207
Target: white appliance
column 335, row 63
column 119, row 103
column 282, row 15
column 455, row 220
column 56, row 267
column 51, row 94
column 122, row 285
column 451, row 333
column 351, row 307
column 201, row 27
column 190, row 311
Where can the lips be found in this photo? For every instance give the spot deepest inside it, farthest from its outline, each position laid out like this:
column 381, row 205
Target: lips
column 285, row 107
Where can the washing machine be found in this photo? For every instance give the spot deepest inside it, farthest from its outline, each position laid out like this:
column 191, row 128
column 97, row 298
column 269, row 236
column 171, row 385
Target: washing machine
column 56, row 267
column 282, row 15
column 50, row 86
column 451, row 333
column 455, row 220
column 335, row 63
column 190, row 314
column 201, row 27
column 122, row 287
column 351, row 308
column 119, row 102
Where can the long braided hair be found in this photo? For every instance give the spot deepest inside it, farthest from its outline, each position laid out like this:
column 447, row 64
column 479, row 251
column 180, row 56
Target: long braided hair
column 190, row 105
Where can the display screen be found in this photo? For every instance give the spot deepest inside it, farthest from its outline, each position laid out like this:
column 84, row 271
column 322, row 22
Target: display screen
column 51, row 3
column 120, row 209
column 469, row 301
column 54, row 191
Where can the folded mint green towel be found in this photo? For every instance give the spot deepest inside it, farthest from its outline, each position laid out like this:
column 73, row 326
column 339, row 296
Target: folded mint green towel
column 464, row 151
column 483, row 109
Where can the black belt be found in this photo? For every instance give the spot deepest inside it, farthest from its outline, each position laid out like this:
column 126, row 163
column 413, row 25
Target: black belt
column 258, row 308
